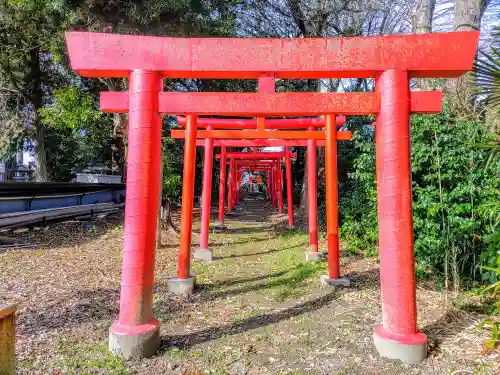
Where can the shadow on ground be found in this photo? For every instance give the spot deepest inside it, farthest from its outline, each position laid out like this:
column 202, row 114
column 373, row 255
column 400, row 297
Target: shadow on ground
column 218, row 244
column 214, row 333
column 291, row 277
column 247, row 230
column 271, row 251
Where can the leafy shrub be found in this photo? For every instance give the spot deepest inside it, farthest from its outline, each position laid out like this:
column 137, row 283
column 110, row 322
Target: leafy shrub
column 455, row 190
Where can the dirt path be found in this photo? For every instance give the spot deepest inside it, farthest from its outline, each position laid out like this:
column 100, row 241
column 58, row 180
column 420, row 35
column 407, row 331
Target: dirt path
column 258, row 309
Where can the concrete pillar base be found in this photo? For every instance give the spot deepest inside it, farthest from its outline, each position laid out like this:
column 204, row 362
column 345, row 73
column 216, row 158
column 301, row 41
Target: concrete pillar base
column 314, row 255
column 325, row 280
column 181, row 286
column 409, row 349
column 134, row 342
column 203, row 254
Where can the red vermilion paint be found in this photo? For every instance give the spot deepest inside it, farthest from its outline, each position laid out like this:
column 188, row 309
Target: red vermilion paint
column 257, row 155
column 141, row 204
column 423, row 55
column 206, row 193
column 238, row 186
column 289, row 189
column 117, row 102
column 342, row 135
column 312, row 203
column 222, row 185
column 280, row 188
column 395, row 223
column 224, row 123
column 332, row 198
column 230, row 187
column 187, row 197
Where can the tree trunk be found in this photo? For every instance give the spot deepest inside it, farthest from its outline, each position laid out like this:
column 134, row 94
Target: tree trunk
column 467, row 16
column 119, row 148
column 36, row 97
column 41, row 154
column 422, row 19
column 422, row 23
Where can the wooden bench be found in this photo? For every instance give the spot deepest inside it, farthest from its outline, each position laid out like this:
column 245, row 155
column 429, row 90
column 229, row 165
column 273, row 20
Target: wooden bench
column 7, row 339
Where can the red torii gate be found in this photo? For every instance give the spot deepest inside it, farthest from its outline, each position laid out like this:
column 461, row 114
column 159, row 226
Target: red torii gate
column 272, row 166
column 262, row 158
column 392, row 60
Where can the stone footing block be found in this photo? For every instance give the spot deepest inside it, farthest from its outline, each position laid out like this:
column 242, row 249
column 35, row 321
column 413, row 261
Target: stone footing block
column 181, row 286
column 203, row 254
column 134, row 342
column 408, row 349
column 325, row 280
column 314, row 255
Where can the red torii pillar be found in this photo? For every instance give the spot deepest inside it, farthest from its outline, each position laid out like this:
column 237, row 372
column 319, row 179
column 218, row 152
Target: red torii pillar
column 222, row 186
column 312, row 200
column 332, row 206
column 268, row 181
column 289, row 189
column 280, row 187
column 397, row 336
column 136, row 332
column 230, row 187
column 203, row 252
column 238, row 186
column 184, row 282
column 274, row 200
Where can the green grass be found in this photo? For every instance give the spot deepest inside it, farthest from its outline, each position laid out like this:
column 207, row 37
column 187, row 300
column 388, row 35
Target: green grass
column 281, row 255
column 77, row 358
column 246, row 315
column 83, row 359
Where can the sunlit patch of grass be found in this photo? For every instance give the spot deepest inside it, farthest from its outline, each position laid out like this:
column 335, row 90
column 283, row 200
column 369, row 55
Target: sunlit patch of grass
column 281, row 257
column 246, row 315
column 77, row 358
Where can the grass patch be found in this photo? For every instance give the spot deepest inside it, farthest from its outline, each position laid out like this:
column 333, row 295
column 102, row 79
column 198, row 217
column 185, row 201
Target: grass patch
column 246, row 315
column 292, row 284
column 83, row 359
column 281, row 273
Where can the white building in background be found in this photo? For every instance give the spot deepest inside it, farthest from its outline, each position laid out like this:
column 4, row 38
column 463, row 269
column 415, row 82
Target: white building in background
column 3, row 171
column 23, row 160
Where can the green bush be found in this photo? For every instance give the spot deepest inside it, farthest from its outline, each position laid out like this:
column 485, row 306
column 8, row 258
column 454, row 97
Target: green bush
column 455, row 194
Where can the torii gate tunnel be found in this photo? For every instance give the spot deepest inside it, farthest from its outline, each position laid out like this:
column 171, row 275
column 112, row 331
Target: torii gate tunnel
column 391, row 60
column 300, row 123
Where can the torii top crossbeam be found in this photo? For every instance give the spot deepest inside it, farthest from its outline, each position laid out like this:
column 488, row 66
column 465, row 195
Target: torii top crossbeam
column 257, row 155
column 425, row 55
column 289, row 123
